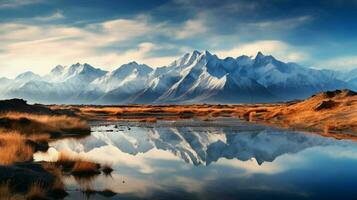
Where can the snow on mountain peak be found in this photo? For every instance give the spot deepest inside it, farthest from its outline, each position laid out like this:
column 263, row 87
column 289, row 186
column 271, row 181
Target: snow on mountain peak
column 57, row 70
column 27, row 76
column 244, row 60
column 259, row 55
column 207, row 53
column 186, row 60
column 125, row 74
column 131, row 67
column 195, row 77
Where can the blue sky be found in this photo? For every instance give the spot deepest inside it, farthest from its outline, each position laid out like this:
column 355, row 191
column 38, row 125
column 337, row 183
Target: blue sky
column 38, row 34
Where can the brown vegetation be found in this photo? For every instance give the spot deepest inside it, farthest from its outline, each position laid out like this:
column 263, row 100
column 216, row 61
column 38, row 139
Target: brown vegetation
column 13, row 148
column 326, row 113
column 77, row 166
column 54, row 125
column 24, row 130
column 329, row 112
column 37, row 191
column 107, row 169
column 7, row 194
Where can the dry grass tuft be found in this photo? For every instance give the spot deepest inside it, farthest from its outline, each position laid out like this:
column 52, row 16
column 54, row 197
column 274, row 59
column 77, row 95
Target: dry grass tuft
column 58, row 187
column 13, row 148
column 57, row 173
column 107, row 169
column 37, row 191
column 7, row 194
column 83, row 167
column 54, row 125
column 77, row 166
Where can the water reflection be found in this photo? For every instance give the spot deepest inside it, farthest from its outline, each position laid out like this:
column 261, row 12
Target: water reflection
column 215, row 162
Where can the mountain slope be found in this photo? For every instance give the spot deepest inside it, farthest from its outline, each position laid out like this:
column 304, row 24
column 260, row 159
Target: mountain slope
column 202, row 77
column 289, row 81
column 123, row 82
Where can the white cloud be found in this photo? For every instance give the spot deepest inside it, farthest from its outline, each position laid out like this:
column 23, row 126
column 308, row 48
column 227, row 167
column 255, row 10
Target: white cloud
column 277, row 48
column 16, row 3
column 283, row 23
column 191, row 28
column 38, row 48
column 55, row 16
column 138, row 54
column 339, row 63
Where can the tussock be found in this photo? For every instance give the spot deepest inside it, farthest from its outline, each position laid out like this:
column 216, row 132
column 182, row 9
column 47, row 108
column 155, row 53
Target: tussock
column 77, row 166
column 53, row 125
column 13, row 148
column 37, row 191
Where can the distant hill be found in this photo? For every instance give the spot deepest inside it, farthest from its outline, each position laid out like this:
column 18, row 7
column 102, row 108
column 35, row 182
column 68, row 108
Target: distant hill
column 328, row 112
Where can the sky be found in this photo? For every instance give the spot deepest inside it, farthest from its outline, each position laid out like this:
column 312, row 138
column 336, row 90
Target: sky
column 36, row 35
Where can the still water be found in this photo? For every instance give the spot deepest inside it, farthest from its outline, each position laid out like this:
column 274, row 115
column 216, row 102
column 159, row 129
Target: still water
column 224, row 159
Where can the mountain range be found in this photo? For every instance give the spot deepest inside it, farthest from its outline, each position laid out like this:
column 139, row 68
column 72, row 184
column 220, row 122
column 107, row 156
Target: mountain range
column 196, row 77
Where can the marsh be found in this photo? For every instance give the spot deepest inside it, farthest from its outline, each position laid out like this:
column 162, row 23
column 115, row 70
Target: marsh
column 221, row 159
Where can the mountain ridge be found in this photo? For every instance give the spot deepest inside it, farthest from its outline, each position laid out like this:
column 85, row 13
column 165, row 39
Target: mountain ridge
column 196, row 77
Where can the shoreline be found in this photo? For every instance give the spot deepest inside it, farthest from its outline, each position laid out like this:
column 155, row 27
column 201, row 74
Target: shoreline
column 332, row 113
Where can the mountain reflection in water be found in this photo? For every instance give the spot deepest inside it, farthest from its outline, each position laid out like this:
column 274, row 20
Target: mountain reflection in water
column 200, row 161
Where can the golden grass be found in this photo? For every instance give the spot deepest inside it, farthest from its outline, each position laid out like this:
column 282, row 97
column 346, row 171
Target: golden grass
column 37, row 191
column 77, row 165
column 59, row 121
column 22, row 134
column 83, row 166
column 13, row 148
column 341, row 117
column 57, row 173
column 34, row 124
column 149, row 113
column 7, row 194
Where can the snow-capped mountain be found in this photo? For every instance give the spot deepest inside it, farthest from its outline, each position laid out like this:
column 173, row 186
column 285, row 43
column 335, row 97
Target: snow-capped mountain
column 123, row 82
column 61, row 85
column 288, row 80
column 201, row 77
column 26, row 77
column 350, row 77
column 196, row 77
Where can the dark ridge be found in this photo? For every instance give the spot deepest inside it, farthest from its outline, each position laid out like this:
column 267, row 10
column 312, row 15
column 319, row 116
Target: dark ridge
column 20, row 105
column 337, row 93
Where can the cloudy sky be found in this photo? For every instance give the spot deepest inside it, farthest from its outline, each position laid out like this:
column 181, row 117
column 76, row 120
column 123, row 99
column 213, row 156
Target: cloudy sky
column 36, row 35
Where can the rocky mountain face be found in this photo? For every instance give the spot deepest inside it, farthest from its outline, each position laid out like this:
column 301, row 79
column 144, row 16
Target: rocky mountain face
column 196, row 77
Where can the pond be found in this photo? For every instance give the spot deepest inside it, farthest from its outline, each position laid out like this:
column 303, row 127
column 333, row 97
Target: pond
column 221, row 159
